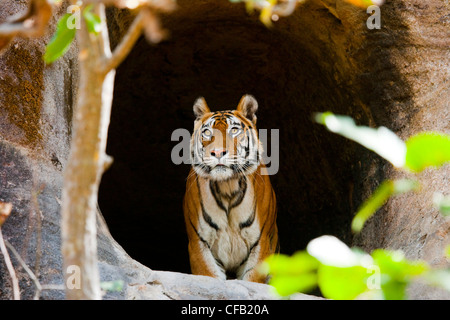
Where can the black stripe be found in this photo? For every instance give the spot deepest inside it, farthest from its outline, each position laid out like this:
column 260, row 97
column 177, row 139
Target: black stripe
column 249, row 252
column 249, row 137
column 219, row 263
column 208, row 219
column 216, row 193
column 241, row 191
column 198, row 235
column 205, row 215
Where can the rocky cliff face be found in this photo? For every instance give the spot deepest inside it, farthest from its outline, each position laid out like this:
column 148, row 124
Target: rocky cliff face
column 322, row 57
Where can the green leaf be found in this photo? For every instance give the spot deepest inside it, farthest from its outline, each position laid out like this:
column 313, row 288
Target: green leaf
column 342, row 283
column 298, row 263
column 342, row 273
column 291, row 274
column 93, row 21
column 61, row 40
column 364, row 3
column 397, row 272
column 427, row 149
column 395, row 264
column 404, row 185
column 331, row 251
column 442, row 203
column 371, row 205
column 439, row 278
column 286, row 285
column 379, row 197
column 382, row 141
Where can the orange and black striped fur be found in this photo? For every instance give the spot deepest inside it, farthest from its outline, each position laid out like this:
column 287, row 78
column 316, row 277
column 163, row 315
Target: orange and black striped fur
column 229, row 205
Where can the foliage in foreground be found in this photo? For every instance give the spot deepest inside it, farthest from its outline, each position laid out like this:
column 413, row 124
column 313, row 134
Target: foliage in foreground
column 421, row 151
column 344, row 273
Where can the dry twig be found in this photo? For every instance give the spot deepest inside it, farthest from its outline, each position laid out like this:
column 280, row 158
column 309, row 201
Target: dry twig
column 31, row 24
column 5, row 211
column 27, row 269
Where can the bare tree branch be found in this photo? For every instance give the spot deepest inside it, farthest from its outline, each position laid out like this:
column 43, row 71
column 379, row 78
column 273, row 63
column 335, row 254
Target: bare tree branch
column 127, row 43
column 10, row 267
column 88, row 160
column 5, row 211
column 31, row 24
column 27, row 269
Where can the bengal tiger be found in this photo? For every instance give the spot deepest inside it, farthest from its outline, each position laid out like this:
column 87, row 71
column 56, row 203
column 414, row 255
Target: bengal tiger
column 229, row 205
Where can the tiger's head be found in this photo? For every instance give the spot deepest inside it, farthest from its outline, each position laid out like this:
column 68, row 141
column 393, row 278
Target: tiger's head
column 225, row 144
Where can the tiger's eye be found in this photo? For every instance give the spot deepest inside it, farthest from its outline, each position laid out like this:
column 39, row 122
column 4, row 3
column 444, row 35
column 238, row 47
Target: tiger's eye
column 207, row 133
column 234, row 130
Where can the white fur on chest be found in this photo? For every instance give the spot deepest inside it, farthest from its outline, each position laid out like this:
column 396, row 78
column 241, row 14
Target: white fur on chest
column 230, row 244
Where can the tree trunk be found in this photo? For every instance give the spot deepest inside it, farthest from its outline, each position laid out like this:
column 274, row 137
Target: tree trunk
column 86, row 164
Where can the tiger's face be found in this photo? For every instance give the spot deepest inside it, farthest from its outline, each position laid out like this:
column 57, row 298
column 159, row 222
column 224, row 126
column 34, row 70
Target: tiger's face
column 225, row 144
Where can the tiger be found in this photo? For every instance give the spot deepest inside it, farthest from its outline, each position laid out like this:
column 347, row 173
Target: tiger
column 229, row 206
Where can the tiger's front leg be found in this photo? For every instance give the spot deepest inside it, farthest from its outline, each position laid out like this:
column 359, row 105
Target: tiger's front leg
column 250, row 271
column 202, row 261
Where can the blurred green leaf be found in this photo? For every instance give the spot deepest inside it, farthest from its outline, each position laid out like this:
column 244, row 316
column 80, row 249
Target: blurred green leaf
column 61, row 40
column 364, row 3
column 427, row 149
column 386, row 189
column 383, row 275
column 112, row 286
column 442, row 203
column 397, row 272
column 341, row 274
column 394, row 263
column 93, row 21
column 267, row 12
column 292, row 274
column 286, row 285
column 331, row 251
column 405, row 185
column 342, row 283
column 371, row 205
column 299, row 262
column 382, row 141
column 439, row 278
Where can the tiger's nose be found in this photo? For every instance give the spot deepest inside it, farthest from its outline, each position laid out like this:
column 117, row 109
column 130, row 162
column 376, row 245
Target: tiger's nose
column 218, row 153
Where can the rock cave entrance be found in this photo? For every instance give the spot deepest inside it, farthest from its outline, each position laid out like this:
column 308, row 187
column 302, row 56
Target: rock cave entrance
column 222, row 55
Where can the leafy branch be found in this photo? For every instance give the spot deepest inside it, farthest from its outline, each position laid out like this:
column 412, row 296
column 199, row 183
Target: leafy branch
column 421, row 151
column 344, row 273
column 31, row 24
column 88, row 159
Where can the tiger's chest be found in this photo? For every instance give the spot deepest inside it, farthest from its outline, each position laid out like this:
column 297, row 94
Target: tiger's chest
column 229, row 221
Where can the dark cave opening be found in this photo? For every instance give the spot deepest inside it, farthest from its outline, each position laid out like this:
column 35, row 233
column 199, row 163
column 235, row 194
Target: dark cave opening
column 222, row 58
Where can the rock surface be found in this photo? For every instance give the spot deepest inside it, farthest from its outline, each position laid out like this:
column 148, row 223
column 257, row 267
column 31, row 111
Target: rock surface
column 322, row 57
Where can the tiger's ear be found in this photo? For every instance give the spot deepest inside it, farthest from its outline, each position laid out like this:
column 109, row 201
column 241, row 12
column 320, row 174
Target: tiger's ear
column 248, row 107
column 200, row 107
